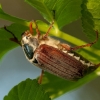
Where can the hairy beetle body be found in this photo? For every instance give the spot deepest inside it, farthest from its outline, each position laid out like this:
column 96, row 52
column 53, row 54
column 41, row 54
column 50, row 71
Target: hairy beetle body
column 53, row 56
column 50, row 56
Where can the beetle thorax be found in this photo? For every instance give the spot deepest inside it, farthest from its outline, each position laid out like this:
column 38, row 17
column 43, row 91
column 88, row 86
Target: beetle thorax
column 30, row 43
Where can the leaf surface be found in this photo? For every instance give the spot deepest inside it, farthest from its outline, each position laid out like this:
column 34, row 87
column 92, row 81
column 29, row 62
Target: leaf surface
column 91, row 19
column 27, row 90
column 62, row 11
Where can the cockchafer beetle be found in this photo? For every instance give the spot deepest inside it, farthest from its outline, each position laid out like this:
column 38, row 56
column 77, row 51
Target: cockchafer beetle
column 53, row 56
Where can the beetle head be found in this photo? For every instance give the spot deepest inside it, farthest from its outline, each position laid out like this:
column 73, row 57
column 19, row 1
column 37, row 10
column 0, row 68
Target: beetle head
column 29, row 44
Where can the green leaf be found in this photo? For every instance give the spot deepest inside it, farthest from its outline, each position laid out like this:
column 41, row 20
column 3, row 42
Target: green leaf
column 56, row 86
column 62, row 11
column 91, row 19
column 27, row 90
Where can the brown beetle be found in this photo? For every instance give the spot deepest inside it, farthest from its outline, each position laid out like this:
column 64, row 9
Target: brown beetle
column 53, row 56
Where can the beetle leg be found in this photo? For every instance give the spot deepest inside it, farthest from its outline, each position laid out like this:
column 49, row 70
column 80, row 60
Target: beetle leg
column 37, row 30
column 67, row 47
column 40, row 78
column 31, row 29
column 46, row 35
column 97, row 65
column 14, row 39
column 86, row 45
